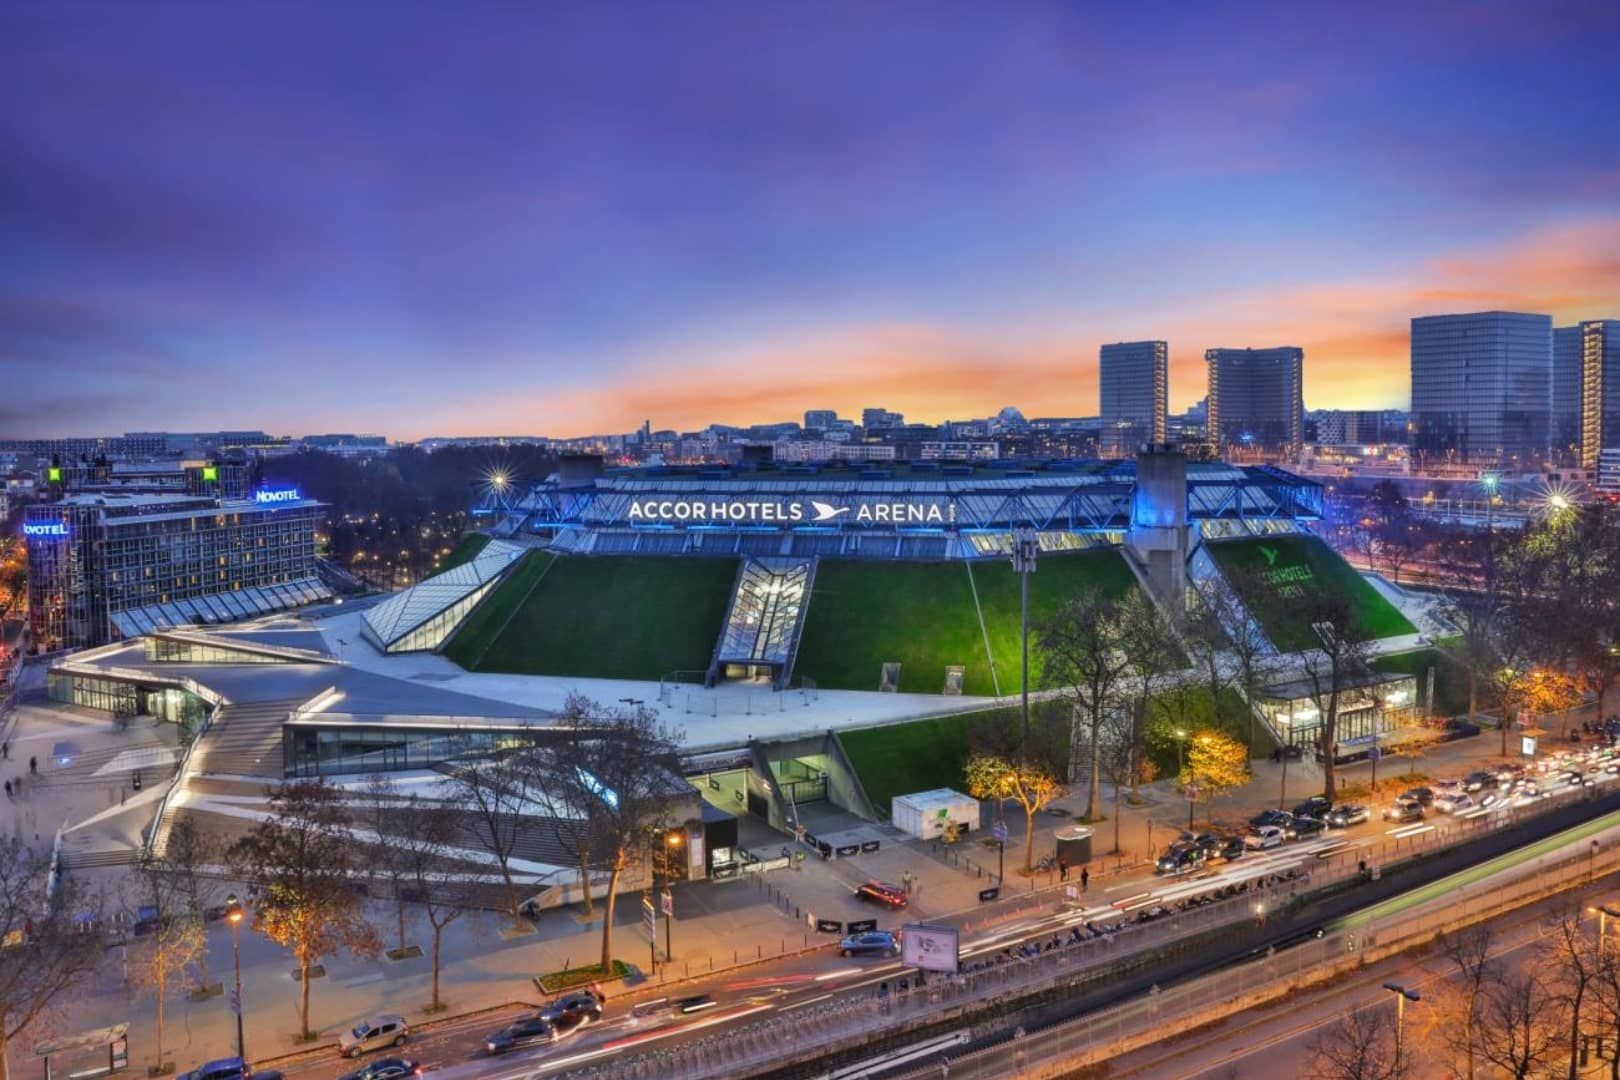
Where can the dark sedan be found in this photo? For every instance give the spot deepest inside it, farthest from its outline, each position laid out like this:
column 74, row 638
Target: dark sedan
column 1303, row 827
column 1314, row 807
column 1280, row 818
column 1404, row 811
column 1348, row 814
column 871, row 943
column 386, row 1069
column 531, row 1032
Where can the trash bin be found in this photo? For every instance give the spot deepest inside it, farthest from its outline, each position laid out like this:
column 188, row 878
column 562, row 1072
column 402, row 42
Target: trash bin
column 1073, row 845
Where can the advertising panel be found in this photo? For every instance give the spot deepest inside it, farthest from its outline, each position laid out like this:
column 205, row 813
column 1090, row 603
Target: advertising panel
column 930, row 948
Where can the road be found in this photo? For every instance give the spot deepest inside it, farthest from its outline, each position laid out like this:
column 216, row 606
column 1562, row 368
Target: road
column 640, row 1021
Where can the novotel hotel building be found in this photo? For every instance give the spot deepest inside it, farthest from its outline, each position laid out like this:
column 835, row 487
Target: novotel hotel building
column 108, row 566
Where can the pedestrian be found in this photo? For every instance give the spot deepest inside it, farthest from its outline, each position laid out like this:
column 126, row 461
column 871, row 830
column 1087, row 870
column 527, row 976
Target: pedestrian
column 5, row 750
column 33, row 766
column 1085, row 878
column 8, row 789
column 905, row 882
column 1063, row 870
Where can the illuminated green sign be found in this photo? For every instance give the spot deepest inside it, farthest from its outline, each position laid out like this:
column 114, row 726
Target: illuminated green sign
column 210, row 474
column 54, row 475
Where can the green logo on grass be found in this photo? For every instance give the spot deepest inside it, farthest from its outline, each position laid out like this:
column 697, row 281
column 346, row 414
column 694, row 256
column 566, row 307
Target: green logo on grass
column 1270, row 554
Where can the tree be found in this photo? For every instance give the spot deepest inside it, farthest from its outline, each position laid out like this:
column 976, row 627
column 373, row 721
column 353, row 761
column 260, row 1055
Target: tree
column 1338, row 656
column 1151, row 654
column 625, row 776
column 1124, row 764
column 495, row 791
column 1358, row 1046
column 43, row 956
column 1606, row 1000
column 577, row 834
column 1031, row 784
column 1520, row 1026
column 177, row 938
column 1572, row 960
column 186, row 855
column 1455, row 1003
column 300, row 874
column 1473, row 600
column 1082, row 652
column 427, row 857
column 1216, row 763
column 383, row 813
column 1226, row 642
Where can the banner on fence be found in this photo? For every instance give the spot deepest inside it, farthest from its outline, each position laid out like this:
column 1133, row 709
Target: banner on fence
column 829, row 926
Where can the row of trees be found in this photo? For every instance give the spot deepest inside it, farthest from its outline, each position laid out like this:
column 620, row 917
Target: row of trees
column 1499, row 1010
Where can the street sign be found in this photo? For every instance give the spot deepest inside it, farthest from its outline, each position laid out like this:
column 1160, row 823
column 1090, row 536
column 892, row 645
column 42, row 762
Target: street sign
column 999, row 831
column 667, row 901
column 236, row 1002
column 1375, row 753
column 930, row 948
column 649, row 914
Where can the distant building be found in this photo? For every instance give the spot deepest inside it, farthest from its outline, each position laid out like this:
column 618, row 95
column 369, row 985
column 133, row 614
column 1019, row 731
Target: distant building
column 816, row 451
column 881, row 419
column 1564, row 394
column 963, row 450
column 347, row 445
column 1608, row 472
column 1134, row 388
column 105, row 566
column 1600, row 389
column 1256, row 400
column 1341, row 427
column 1481, row 385
column 820, row 419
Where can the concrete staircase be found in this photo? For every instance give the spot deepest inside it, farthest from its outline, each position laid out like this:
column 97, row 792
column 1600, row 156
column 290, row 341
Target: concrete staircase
column 244, row 740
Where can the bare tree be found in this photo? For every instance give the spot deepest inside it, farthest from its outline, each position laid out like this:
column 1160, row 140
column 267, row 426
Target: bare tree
column 625, row 776
column 186, row 859
column 43, row 956
column 1226, row 643
column 299, row 866
column 384, row 811
column 495, row 792
column 1083, row 652
column 576, row 834
column 1474, row 603
column 433, row 877
column 1570, row 958
column 1151, row 656
column 1358, row 1046
column 1521, row 1028
column 175, row 937
column 1606, row 1002
column 1332, row 665
column 1454, row 1004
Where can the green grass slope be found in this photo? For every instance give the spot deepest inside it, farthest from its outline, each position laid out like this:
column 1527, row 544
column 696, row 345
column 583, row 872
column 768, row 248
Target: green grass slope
column 1291, row 567
column 1057, row 578
column 467, row 547
column 903, row 759
column 612, row 617
column 488, row 618
column 863, row 614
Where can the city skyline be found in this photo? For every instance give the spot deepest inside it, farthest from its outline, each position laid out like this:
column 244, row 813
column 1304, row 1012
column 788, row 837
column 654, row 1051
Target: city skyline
column 236, row 221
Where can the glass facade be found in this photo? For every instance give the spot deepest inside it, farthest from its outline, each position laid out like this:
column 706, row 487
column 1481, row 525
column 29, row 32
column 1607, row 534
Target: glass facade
column 1363, row 712
column 168, row 650
column 431, row 634
column 330, row 751
column 1482, row 386
column 1256, row 400
column 122, row 697
column 1134, row 391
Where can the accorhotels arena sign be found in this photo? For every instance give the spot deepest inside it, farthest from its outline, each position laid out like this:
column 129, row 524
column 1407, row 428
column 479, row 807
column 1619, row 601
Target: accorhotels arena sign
column 808, row 512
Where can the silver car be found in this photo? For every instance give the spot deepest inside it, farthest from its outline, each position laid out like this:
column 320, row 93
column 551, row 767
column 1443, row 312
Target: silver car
column 374, row 1033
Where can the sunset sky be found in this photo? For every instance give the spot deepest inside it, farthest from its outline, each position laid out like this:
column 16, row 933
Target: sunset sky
column 560, row 218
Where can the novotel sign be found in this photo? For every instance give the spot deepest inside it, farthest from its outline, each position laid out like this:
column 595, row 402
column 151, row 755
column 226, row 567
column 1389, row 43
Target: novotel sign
column 45, row 528
column 810, row 511
column 275, row 495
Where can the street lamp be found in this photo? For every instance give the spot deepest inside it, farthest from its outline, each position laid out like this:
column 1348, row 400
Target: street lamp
column 1026, row 546
column 1402, row 996
column 1604, row 913
column 673, row 843
column 233, row 915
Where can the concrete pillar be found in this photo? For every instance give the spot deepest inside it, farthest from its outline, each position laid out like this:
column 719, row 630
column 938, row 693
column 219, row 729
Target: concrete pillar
column 1160, row 538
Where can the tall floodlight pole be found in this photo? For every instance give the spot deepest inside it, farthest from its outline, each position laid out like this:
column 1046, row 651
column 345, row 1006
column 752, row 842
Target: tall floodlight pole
column 1025, row 548
column 1402, row 996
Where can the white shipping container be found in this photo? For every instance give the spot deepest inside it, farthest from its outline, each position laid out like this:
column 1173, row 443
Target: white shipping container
column 927, row 814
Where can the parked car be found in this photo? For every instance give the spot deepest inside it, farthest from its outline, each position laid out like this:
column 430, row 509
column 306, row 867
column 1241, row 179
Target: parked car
column 231, row 1068
column 1453, row 802
column 1304, row 827
column 374, row 1034
column 871, row 943
column 1401, row 811
column 1479, row 781
column 1261, row 837
column 879, row 892
column 1314, row 807
column 1347, row 814
column 532, row 1031
column 1181, row 858
column 1231, row 848
column 1210, row 842
column 1421, row 795
column 385, row 1069
column 1280, row 818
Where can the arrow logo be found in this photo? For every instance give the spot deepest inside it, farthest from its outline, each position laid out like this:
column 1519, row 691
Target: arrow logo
column 1270, row 554
column 827, row 511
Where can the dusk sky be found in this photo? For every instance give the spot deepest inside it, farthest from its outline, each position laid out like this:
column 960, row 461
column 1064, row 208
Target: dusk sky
column 560, row 218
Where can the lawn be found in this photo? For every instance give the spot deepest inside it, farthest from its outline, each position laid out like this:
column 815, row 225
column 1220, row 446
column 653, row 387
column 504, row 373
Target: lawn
column 465, row 549
column 1057, row 578
column 610, row 617
column 863, row 614
column 1450, row 681
column 476, row 632
column 923, row 755
column 1292, row 567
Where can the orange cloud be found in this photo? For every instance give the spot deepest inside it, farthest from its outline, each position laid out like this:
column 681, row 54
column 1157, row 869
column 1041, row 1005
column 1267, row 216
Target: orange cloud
column 1354, row 333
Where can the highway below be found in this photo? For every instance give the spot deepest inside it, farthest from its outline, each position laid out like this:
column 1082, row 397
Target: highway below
column 738, row 1011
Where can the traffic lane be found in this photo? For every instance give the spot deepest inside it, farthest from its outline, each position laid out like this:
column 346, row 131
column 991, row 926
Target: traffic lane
column 435, row 1045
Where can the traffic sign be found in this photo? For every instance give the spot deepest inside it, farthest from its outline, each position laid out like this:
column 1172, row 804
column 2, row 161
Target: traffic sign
column 999, row 831
column 667, row 902
column 236, row 1002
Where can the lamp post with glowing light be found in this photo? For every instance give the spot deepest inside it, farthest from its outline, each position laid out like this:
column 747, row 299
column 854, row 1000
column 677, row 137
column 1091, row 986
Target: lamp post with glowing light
column 1402, row 996
column 233, row 915
column 674, row 843
column 1604, row 913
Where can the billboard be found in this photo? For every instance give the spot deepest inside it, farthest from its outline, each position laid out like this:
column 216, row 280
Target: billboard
column 930, row 948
